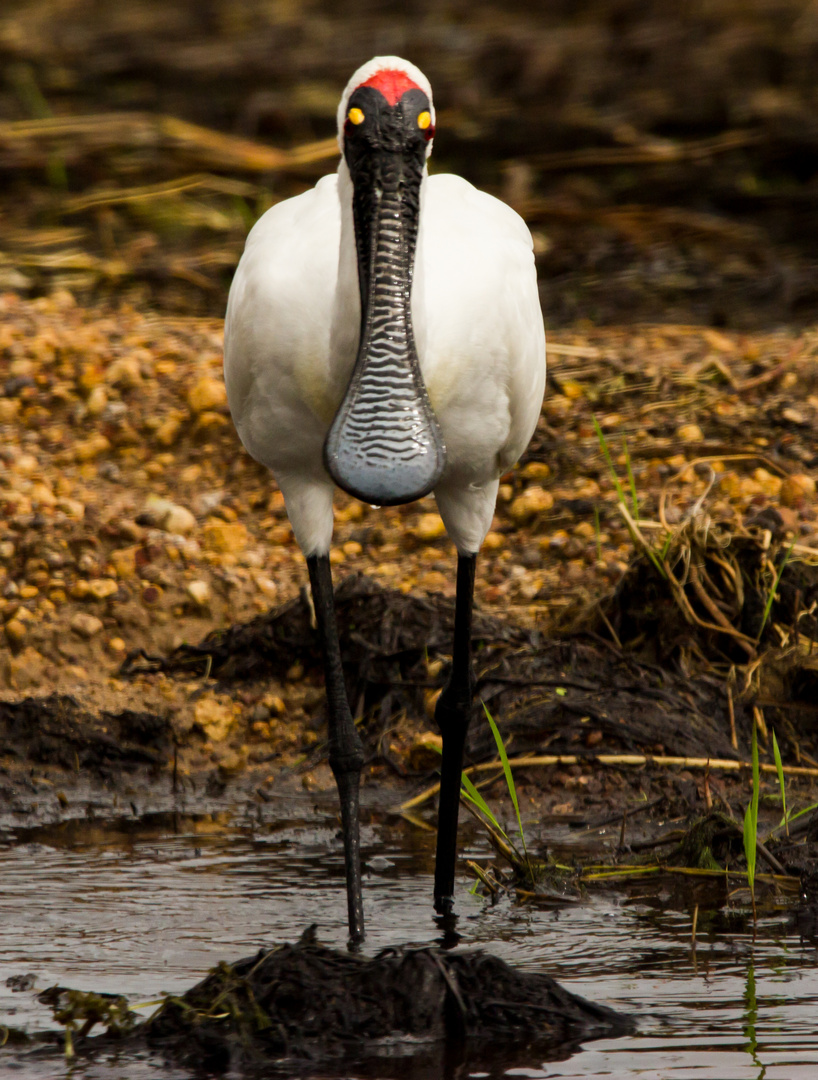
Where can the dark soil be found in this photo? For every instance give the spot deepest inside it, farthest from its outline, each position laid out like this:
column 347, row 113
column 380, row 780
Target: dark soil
column 57, row 731
column 303, row 1003
column 545, row 693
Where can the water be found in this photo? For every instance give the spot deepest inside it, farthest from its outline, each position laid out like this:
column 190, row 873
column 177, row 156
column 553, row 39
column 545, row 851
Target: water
column 150, row 908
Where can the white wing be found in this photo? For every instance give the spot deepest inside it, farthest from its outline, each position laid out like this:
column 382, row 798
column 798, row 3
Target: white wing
column 277, row 329
column 481, row 342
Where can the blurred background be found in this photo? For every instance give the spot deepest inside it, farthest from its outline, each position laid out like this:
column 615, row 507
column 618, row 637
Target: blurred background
column 664, row 154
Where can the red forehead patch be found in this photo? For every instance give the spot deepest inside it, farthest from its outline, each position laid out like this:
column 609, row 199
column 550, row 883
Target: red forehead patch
column 392, row 84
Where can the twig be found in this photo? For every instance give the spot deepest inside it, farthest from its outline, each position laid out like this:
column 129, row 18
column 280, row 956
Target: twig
column 679, row 595
column 116, row 196
column 732, row 714
column 685, row 871
column 647, row 153
column 719, row 616
column 75, row 134
column 612, row 760
column 769, row 858
column 773, row 374
column 758, row 716
column 479, row 872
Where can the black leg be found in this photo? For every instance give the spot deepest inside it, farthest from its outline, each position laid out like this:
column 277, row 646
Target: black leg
column 346, row 752
column 452, row 714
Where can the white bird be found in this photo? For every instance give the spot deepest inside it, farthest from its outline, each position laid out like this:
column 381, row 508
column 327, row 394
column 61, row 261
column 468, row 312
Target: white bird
column 384, row 334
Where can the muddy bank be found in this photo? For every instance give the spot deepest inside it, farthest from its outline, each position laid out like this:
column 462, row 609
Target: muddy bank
column 304, row 1003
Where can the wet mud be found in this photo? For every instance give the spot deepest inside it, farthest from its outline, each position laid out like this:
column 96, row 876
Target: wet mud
column 305, row 1003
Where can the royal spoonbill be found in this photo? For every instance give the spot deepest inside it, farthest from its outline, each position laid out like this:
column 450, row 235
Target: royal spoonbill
column 384, row 334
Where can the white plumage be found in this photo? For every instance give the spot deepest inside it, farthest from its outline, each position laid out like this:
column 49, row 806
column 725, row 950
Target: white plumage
column 292, row 328
column 437, row 384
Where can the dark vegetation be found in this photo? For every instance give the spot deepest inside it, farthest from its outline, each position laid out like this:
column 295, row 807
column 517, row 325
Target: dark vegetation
column 667, row 153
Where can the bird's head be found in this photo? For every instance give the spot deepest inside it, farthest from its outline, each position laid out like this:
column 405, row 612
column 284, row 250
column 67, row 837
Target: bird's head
column 386, row 106
column 384, row 445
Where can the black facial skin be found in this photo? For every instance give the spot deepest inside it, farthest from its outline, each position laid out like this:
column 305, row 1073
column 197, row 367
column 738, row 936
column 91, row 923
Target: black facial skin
column 386, row 154
column 384, row 445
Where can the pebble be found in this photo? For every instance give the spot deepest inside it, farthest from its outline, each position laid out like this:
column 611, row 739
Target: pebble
column 125, row 372
column 42, row 495
column 199, row 593
column 433, row 581
column 168, row 431
column 430, row 527
column 213, row 717
column 770, row 485
column 16, row 631
column 690, row 433
column 534, row 500
column 266, row 586
column 178, row 520
column 97, row 400
column 232, row 765
column 123, row 561
column 9, row 409
column 24, row 671
column 206, row 394
column 536, row 470
column 795, row 489
column 25, row 465
column 85, row 626
column 169, row 516
column 102, row 588
column 224, row 536
column 72, row 508
column 207, row 421
column 88, row 449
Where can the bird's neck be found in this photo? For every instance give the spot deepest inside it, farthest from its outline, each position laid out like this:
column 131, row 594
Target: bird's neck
column 346, row 321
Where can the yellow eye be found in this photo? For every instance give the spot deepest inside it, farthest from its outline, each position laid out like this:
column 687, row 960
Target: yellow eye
column 424, row 119
column 355, row 116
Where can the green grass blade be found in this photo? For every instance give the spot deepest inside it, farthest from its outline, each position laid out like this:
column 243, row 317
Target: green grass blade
column 512, row 790
column 751, row 821
column 631, row 480
column 474, row 796
column 779, row 768
column 750, row 845
column 607, row 455
column 806, row 810
column 771, row 598
column 597, row 533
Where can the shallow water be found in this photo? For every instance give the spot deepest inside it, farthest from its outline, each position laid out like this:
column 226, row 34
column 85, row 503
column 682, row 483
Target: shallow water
column 148, row 908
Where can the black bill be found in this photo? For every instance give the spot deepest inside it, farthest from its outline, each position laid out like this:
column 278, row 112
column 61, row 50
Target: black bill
column 385, row 446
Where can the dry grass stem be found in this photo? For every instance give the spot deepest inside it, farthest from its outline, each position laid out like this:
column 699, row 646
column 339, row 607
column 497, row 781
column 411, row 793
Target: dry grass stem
column 613, row 761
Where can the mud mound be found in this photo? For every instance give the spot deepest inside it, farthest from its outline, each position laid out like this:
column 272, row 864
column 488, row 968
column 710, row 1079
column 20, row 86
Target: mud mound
column 538, row 689
column 554, row 692
column 57, row 731
column 378, row 627
column 304, row 1002
column 558, row 694
column 719, row 593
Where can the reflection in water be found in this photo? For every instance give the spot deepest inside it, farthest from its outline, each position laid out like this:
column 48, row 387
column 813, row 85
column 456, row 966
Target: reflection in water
column 151, row 909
